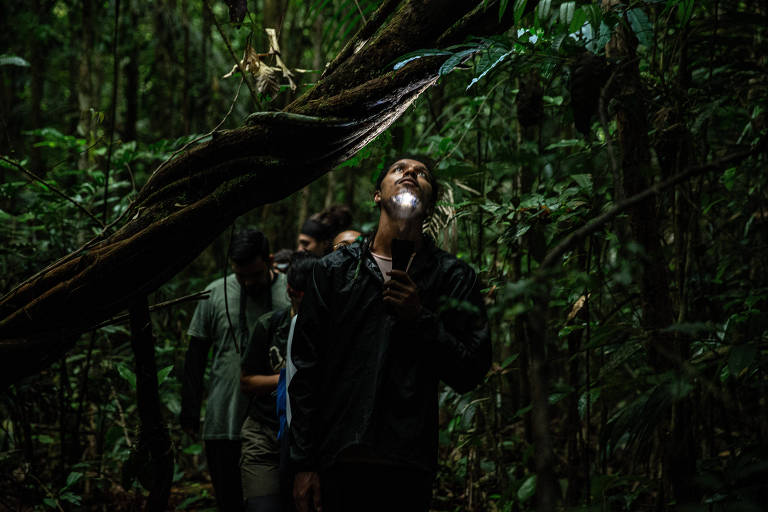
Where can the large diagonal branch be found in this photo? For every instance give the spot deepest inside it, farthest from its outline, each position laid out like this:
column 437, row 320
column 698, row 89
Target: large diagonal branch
column 190, row 201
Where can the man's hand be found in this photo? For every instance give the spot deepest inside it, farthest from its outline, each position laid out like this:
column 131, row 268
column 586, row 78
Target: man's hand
column 402, row 294
column 306, row 492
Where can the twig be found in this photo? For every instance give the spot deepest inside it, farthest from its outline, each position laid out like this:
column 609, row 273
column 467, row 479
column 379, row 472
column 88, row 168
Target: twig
column 554, row 255
column 161, row 305
column 37, row 178
column 48, row 492
column 113, row 108
column 231, row 51
column 362, row 14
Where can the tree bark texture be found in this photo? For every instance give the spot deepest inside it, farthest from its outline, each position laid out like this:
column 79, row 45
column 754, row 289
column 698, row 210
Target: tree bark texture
column 185, row 204
column 665, row 352
column 156, row 471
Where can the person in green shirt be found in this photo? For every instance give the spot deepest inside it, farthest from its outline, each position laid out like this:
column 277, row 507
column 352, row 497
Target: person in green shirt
column 222, row 322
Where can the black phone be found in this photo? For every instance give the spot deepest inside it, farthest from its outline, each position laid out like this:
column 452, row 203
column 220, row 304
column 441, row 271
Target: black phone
column 401, row 253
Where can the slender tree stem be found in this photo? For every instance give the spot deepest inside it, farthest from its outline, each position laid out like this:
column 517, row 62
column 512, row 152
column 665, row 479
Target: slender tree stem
column 113, row 107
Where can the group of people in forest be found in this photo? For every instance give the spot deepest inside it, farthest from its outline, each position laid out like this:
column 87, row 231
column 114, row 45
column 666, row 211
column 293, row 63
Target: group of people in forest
column 326, row 361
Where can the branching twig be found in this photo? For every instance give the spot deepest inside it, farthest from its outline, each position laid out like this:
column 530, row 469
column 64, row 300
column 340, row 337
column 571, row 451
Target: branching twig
column 37, row 178
column 231, row 51
column 590, row 227
column 48, row 492
column 161, row 305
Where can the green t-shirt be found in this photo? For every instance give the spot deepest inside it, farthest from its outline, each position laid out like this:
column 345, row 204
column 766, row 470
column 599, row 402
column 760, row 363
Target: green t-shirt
column 227, row 405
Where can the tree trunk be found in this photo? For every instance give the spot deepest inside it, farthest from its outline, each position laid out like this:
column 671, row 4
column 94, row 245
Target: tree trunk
column 665, row 351
column 188, row 202
column 85, row 82
column 131, row 73
column 154, row 440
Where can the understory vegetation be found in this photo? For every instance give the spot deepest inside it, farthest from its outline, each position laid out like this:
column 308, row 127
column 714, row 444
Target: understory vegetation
column 602, row 167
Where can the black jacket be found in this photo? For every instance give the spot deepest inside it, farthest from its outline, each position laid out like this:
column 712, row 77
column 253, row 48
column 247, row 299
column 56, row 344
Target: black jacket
column 367, row 382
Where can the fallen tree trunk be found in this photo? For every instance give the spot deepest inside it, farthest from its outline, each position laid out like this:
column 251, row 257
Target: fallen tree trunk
column 192, row 199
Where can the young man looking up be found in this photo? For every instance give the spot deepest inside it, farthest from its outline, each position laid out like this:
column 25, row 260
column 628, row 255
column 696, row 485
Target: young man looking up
column 370, row 346
column 222, row 321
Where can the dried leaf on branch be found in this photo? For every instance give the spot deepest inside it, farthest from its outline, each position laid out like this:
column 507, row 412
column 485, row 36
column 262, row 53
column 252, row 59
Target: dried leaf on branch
column 267, row 77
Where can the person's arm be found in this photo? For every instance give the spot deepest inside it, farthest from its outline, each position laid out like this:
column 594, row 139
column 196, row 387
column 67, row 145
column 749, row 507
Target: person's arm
column 258, row 385
column 256, row 376
column 459, row 331
column 195, row 361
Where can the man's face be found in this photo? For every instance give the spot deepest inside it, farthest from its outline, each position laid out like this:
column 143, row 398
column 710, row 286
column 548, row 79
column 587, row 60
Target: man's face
column 406, row 189
column 309, row 244
column 344, row 239
column 254, row 276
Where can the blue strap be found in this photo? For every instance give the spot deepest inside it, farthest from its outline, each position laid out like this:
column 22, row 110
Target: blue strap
column 281, row 399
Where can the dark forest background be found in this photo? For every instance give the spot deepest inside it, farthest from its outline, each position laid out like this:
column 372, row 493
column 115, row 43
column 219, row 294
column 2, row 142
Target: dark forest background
column 603, row 168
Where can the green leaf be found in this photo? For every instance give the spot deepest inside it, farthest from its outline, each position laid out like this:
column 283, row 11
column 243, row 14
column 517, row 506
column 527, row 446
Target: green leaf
column 408, row 57
column 567, row 9
column 126, row 373
column 50, row 502
column 456, row 59
column 73, row 477
column 543, row 9
column 684, row 11
column 585, row 399
column 502, row 8
column 71, row 498
column 641, row 26
column 194, row 449
column 519, row 10
column 584, row 181
column 527, row 489
column 489, row 68
column 13, row 60
column 579, row 19
column 163, row 374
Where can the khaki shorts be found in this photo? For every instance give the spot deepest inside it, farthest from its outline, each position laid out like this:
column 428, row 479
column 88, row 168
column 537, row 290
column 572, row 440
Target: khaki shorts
column 260, row 460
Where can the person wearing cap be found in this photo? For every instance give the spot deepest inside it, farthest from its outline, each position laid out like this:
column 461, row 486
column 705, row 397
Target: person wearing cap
column 378, row 330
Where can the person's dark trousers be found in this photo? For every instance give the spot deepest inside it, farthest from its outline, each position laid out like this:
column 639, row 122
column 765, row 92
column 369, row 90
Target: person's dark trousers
column 375, row 488
column 223, row 458
column 286, row 473
column 273, row 503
